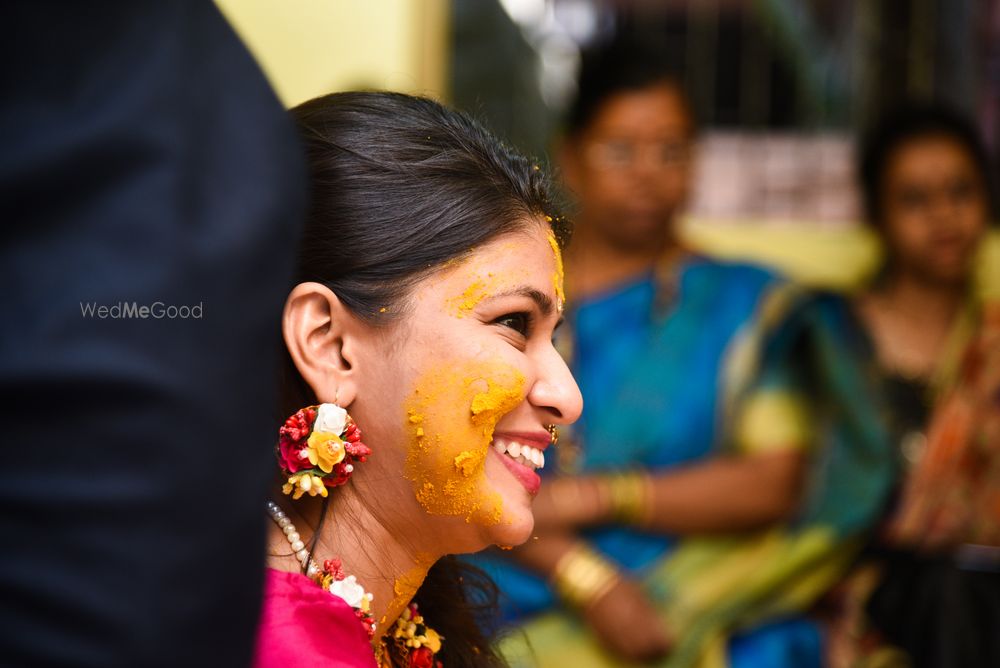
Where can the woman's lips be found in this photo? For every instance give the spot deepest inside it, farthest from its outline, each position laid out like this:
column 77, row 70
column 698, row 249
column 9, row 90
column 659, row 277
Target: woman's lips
column 525, row 475
column 522, row 452
column 536, row 439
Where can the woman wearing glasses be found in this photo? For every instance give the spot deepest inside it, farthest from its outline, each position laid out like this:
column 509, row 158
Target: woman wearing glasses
column 699, row 518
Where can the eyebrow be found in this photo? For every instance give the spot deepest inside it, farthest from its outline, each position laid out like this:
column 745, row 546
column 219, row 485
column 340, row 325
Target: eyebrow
column 542, row 300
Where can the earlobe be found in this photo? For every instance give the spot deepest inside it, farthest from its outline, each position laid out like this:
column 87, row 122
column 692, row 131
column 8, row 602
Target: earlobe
column 318, row 331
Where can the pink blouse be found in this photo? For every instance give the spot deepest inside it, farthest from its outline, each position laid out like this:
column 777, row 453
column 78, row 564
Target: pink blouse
column 304, row 626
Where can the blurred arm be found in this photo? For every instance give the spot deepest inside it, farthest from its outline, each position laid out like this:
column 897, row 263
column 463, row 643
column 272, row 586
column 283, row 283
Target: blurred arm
column 725, row 493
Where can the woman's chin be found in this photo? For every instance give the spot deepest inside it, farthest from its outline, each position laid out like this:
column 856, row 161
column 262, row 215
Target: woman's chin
column 517, row 521
column 514, row 528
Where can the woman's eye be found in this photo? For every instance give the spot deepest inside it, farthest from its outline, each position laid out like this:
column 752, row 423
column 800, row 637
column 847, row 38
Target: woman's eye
column 618, row 153
column 519, row 322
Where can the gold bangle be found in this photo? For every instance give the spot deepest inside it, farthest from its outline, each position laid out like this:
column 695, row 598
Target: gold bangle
column 628, row 496
column 581, row 576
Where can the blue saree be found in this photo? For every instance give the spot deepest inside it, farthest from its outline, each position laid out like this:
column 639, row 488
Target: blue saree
column 674, row 371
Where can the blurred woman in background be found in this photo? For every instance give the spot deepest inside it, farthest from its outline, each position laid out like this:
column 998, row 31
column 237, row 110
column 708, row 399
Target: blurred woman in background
column 931, row 587
column 726, row 462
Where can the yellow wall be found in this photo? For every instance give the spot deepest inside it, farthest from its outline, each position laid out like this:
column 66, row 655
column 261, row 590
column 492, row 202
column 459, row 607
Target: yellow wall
column 311, row 47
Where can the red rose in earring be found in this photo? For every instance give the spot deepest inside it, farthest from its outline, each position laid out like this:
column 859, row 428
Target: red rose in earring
column 317, row 449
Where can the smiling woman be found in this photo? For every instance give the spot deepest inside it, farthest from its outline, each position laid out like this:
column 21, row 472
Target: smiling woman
column 428, row 291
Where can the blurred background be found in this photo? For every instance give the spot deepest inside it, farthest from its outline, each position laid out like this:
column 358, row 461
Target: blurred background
column 781, row 91
column 780, row 88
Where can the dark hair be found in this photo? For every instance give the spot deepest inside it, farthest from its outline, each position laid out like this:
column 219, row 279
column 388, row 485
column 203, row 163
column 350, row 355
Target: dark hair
column 623, row 65
column 400, row 186
column 904, row 125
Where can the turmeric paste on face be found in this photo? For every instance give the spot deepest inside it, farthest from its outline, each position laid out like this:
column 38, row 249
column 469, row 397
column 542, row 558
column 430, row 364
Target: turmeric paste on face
column 450, row 418
column 485, row 284
column 559, row 275
column 407, row 584
column 464, row 303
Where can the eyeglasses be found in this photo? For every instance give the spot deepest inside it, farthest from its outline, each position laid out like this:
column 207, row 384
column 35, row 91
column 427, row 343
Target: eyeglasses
column 620, row 154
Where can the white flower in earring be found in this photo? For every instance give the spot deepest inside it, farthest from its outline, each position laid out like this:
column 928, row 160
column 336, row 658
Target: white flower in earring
column 331, row 419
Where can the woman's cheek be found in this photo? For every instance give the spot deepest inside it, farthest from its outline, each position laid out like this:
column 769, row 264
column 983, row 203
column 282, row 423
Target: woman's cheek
column 451, row 414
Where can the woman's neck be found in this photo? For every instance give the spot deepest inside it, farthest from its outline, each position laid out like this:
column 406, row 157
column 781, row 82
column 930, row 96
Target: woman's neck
column 920, row 300
column 384, row 560
column 910, row 319
column 594, row 264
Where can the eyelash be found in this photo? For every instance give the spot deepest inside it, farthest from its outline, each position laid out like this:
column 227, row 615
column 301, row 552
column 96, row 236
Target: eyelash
column 523, row 318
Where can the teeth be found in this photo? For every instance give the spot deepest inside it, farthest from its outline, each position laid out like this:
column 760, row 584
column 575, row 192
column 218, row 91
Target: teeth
column 521, row 453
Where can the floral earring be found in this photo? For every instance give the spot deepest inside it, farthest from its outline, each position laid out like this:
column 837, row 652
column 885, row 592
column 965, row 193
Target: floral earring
column 317, row 449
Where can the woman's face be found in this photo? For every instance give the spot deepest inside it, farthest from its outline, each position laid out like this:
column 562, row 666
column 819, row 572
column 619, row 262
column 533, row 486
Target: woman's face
column 934, row 209
column 456, row 396
column 630, row 167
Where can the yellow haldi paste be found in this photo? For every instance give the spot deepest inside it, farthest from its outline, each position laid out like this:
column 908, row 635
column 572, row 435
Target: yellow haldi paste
column 451, row 415
column 559, row 276
column 407, row 584
column 464, row 303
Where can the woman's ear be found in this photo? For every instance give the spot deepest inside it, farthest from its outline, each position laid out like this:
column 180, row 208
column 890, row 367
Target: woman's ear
column 320, row 334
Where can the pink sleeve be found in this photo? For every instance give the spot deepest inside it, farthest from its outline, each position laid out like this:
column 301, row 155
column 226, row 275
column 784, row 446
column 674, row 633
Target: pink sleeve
column 303, row 626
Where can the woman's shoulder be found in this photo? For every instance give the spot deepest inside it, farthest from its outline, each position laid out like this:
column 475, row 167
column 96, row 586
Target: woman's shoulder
column 739, row 284
column 732, row 270
column 304, row 625
column 765, row 280
column 732, row 291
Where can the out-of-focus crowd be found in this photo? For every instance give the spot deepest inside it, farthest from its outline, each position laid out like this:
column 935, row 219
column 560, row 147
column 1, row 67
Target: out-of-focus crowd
column 766, row 475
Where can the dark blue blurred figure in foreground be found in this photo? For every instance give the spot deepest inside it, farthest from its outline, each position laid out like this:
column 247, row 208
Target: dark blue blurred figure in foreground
column 145, row 161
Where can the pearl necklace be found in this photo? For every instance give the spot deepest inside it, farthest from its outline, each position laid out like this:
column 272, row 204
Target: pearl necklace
column 331, row 577
column 417, row 641
column 312, row 569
